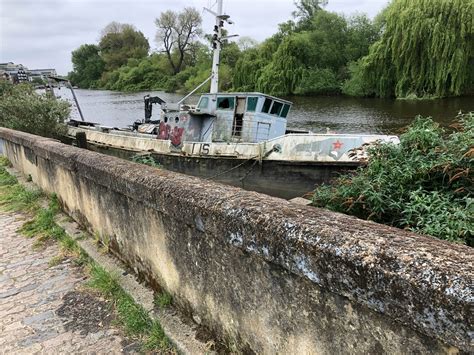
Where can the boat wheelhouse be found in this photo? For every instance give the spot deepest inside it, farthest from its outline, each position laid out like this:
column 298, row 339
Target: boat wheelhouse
column 244, row 117
column 225, row 117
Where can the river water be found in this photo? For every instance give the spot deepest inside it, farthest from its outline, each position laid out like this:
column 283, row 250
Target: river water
column 317, row 114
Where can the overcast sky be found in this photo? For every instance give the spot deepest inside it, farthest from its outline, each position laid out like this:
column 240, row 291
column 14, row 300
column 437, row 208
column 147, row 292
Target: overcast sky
column 42, row 33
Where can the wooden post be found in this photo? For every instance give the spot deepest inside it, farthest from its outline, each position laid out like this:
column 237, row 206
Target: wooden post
column 81, row 140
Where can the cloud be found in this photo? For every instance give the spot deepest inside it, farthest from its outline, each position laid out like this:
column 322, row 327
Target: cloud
column 43, row 33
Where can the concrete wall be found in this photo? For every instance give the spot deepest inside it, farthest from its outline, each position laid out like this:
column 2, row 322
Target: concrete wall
column 271, row 275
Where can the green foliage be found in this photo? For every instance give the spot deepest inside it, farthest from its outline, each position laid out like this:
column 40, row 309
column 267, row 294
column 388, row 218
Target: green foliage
column 248, row 69
column 145, row 159
column 38, row 81
column 306, row 10
column 43, row 226
column 163, row 300
column 13, row 196
column 88, row 66
column 21, row 108
column 131, row 316
column 413, row 49
column 121, row 42
column 318, row 82
column 149, row 73
column 283, row 74
column 426, row 50
column 424, row 184
column 308, row 58
column 157, row 339
column 357, row 85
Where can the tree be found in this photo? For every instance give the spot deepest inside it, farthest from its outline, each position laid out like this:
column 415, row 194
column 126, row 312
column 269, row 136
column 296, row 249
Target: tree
column 246, row 42
column 119, row 43
column 306, row 9
column 177, row 33
column 88, row 66
column 284, row 73
column 21, row 108
column 328, row 39
column 426, row 50
column 361, row 34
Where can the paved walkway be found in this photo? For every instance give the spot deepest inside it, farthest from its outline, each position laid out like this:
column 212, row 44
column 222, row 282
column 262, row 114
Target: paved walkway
column 44, row 309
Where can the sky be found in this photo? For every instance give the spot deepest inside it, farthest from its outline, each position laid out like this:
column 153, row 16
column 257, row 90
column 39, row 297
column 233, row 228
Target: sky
column 43, row 33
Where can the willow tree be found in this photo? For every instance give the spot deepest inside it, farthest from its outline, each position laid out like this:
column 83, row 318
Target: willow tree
column 283, row 74
column 426, row 50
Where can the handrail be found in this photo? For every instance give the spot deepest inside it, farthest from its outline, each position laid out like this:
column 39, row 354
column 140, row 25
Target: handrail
column 196, row 89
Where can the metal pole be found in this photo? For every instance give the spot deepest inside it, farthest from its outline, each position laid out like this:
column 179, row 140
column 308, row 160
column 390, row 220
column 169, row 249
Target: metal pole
column 217, row 50
column 192, row 92
column 75, row 100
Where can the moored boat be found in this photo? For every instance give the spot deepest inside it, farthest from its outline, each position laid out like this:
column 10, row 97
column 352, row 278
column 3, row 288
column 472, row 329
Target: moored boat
column 236, row 138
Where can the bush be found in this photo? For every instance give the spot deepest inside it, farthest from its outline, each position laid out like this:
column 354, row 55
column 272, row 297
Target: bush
column 424, row 184
column 21, row 108
column 356, row 85
column 318, row 82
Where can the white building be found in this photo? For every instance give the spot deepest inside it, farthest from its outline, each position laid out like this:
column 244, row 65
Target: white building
column 20, row 73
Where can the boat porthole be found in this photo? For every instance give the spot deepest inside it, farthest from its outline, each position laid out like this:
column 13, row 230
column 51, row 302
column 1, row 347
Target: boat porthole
column 166, row 119
column 176, row 119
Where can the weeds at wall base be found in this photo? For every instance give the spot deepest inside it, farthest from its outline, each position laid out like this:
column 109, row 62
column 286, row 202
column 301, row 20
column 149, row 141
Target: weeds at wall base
column 163, row 300
column 42, row 226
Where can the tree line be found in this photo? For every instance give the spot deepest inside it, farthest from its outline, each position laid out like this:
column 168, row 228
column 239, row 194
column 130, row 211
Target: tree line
column 412, row 49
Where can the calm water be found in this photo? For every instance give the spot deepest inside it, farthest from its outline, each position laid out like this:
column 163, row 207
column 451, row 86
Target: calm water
column 339, row 114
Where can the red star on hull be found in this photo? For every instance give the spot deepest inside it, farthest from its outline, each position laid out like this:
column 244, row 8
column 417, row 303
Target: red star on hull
column 337, row 145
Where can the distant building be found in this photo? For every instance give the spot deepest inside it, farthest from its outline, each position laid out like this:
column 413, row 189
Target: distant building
column 17, row 73
column 42, row 74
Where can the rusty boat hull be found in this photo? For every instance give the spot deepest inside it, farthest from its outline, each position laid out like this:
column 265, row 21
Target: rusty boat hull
column 286, row 167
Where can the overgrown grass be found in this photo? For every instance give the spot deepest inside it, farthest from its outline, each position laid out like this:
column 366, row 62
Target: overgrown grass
column 131, row 316
column 163, row 300
column 42, row 226
column 424, row 184
column 146, row 159
column 14, row 196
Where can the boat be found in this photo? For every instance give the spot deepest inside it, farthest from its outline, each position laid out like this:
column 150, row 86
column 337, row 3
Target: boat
column 238, row 138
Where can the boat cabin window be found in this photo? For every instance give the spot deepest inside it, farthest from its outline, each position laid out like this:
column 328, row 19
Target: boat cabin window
column 286, row 109
column 204, row 102
column 266, row 105
column 252, row 103
column 276, row 108
column 225, row 103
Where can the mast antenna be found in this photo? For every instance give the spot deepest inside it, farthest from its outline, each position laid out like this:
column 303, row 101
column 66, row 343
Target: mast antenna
column 216, row 44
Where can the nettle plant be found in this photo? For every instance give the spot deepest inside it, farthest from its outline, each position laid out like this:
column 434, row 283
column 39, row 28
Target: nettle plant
column 424, row 184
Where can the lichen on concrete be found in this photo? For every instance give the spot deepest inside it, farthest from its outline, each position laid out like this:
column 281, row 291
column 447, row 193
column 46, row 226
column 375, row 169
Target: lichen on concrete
column 273, row 275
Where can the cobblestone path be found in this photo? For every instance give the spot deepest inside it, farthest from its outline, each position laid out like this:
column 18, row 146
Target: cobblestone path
column 43, row 309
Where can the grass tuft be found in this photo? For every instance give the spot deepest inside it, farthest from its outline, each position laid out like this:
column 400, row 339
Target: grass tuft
column 131, row 316
column 55, row 260
column 13, row 196
column 163, row 300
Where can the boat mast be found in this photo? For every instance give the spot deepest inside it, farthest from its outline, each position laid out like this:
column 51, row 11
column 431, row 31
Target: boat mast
column 216, row 43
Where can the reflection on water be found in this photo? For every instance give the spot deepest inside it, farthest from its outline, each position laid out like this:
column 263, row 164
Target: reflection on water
column 339, row 114
column 365, row 115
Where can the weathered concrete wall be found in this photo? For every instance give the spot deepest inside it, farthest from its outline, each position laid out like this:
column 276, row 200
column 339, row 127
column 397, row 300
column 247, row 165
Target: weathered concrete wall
column 274, row 276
